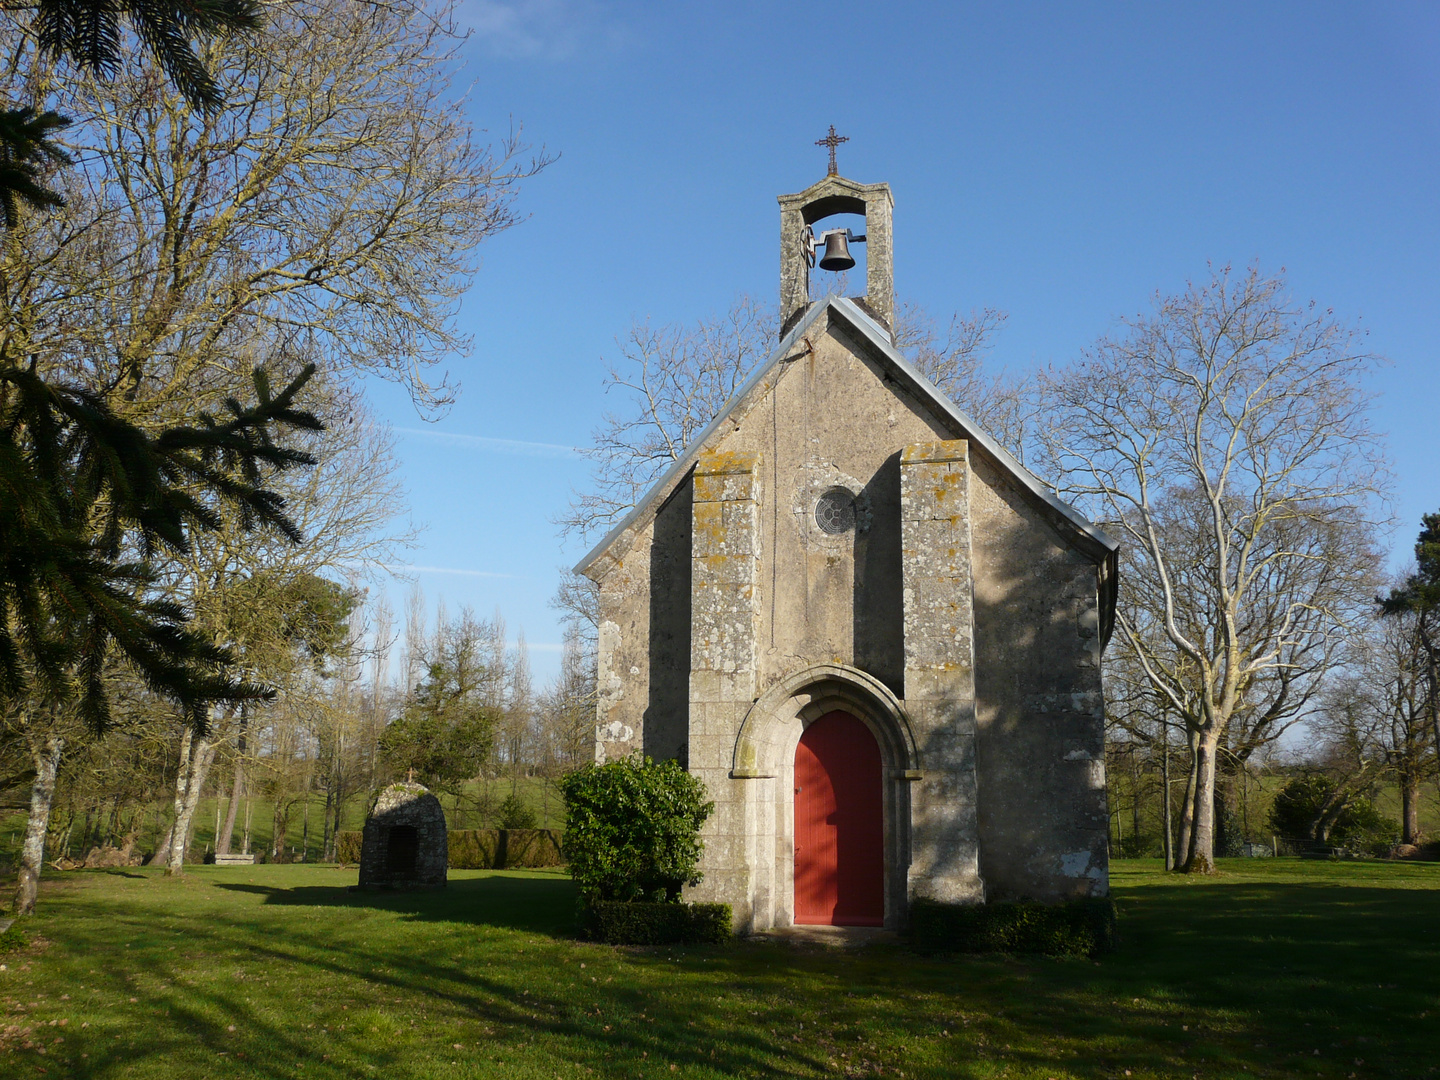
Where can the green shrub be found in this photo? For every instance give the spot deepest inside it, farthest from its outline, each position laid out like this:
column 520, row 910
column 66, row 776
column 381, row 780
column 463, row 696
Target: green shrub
column 514, row 814
column 632, row 829
column 1364, row 828
column 1074, row 928
column 347, row 846
column 642, row 923
column 1296, row 812
column 497, row 849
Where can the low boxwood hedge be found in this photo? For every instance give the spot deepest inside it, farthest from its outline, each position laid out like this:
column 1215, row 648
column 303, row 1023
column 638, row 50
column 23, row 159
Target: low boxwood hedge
column 347, row 846
column 497, row 849
column 479, row 849
column 646, row 923
column 1074, row 928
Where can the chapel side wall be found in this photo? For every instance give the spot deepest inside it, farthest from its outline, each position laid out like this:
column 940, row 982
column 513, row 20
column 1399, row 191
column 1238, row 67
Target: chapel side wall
column 623, row 652
column 1040, row 756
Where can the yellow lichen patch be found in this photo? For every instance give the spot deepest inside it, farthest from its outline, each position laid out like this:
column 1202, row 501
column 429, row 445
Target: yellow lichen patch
column 938, row 451
column 726, row 462
column 709, row 522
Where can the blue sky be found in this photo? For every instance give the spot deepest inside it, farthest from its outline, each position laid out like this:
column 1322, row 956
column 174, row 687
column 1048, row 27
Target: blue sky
column 1060, row 162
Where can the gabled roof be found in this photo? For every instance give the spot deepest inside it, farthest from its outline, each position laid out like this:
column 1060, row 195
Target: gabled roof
column 1090, row 538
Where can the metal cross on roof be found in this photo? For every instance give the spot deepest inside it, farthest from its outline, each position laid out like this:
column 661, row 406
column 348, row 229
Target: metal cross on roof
column 832, row 140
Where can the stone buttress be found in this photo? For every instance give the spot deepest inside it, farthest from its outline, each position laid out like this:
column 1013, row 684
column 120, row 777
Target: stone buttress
column 724, row 644
column 940, row 669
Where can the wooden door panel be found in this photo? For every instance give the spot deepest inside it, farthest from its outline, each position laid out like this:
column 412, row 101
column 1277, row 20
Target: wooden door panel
column 839, row 825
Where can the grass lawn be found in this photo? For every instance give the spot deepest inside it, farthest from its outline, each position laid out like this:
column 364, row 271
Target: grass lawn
column 1272, row 968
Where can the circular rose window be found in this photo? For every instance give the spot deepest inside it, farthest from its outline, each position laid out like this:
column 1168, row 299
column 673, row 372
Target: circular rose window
column 835, row 512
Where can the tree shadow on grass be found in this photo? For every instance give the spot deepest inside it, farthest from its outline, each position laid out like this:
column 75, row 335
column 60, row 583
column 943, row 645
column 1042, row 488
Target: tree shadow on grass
column 533, row 904
column 1216, row 979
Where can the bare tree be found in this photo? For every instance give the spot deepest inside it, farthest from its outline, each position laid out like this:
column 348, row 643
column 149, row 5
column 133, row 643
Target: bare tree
column 1377, row 720
column 329, row 209
column 333, row 205
column 1225, row 437
column 956, row 364
column 673, row 380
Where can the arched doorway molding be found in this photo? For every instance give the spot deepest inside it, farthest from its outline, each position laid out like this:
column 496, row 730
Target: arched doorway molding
column 765, row 746
column 764, row 756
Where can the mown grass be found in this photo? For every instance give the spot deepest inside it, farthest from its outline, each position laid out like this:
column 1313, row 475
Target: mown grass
column 1271, row 969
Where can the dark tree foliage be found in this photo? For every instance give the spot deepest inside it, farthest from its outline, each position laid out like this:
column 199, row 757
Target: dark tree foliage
column 1420, row 593
column 90, row 34
column 27, row 149
column 90, row 499
column 1421, row 590
column 632, row 829
column 1314, row 807
column 446, row 731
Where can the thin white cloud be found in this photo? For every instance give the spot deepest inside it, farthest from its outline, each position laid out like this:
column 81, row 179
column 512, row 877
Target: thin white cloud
column 540, row 29
column 540, row 646
column 499, row 446
column 407, row 568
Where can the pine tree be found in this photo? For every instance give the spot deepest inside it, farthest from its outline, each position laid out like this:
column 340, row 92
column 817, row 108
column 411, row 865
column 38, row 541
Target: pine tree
column 1420, row 593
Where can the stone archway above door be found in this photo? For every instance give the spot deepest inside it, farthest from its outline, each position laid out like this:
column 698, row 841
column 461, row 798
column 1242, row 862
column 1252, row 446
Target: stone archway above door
column 769, row 732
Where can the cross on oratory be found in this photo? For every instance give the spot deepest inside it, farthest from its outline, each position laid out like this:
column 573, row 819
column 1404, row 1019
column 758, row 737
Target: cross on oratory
column 832, row 140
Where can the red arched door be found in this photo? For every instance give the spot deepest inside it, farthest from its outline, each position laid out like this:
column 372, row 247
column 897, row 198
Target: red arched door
column 839, row 825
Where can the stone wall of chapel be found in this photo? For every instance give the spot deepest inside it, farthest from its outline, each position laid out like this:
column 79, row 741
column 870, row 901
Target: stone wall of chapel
column 622, row 674
column 1040, row 755
column 832, row 420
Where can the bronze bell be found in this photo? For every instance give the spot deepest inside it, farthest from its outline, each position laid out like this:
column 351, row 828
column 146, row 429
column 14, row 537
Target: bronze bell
column 837, row 251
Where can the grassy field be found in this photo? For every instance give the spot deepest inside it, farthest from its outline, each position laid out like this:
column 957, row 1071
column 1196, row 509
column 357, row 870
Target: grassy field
column 1270, row 969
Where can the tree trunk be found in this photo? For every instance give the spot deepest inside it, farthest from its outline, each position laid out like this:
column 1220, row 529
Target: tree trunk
column 42, row 795
column 327, row 852
column 279, row 826
column 1165, row 787
column 162, row 850
column 222, row 842
column 196, row 754
column 1201, row 857
column 1410, row 807
column 1432, row 693
column 1186, row 844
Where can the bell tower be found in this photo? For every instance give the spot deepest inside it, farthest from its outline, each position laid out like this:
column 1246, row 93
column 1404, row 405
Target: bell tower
column 836, row 195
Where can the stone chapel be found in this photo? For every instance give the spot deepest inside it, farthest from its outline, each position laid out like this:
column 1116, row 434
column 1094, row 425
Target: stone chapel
column 870, row 631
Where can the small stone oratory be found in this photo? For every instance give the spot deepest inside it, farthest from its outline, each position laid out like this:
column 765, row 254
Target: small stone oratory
column 865, row 626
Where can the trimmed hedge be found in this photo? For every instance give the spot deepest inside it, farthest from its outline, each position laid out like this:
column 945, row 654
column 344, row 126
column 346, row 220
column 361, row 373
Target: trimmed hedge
column 1074, row 928
column 647, row 923
column 479, row 849
column 347, row 846
column 497, row 849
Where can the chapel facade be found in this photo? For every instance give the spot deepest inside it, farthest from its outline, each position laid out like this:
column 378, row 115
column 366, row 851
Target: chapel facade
column 870, row 631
